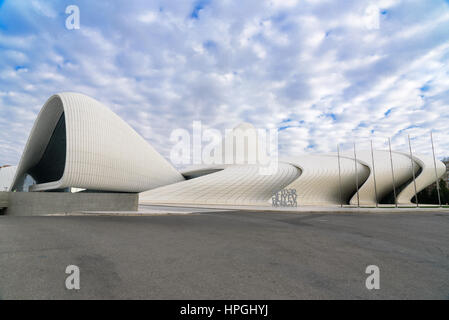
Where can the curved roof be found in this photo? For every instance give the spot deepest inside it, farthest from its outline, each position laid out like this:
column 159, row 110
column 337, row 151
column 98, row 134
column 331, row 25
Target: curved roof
column 234, row 185
column 425, row 178
column 315, row 178
column 382, row 170
column 319, row 183
column 90, row 147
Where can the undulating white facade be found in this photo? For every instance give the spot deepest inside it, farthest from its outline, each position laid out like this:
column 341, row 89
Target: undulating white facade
column 319, row 180
column 319, row 183
column 382, row 173
column 425, row 177
column 76, row 142
column 234, row 185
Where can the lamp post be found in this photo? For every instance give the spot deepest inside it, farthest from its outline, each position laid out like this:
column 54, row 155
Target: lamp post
column 435, row 166
column 356, row 177
column 374, row 174
column 392, row 174
column 413, row 171
column 339, row 175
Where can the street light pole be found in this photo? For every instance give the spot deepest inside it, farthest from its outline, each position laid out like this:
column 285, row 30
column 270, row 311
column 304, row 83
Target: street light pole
column 413, row 171
column 435, row 166
column 392, row 175
column 356, row 177
column 339, row 175
column 374, row 174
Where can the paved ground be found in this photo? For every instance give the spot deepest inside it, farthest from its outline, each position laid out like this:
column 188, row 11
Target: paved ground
column 226, row 255
column 144, row 208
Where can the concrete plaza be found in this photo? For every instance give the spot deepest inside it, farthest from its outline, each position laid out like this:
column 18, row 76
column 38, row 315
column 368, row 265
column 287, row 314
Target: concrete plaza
column 205, row 254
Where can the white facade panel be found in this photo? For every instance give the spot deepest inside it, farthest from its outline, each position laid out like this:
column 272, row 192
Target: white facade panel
column 319, row 183
column 235, row 185
column 102, row 151
column 384, row 178
column 425, row 178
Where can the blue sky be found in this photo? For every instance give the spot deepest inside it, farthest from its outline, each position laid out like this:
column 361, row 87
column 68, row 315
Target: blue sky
column 315, row 69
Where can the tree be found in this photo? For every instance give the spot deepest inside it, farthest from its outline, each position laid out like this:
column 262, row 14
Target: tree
column 444, row 192
column 430, row 194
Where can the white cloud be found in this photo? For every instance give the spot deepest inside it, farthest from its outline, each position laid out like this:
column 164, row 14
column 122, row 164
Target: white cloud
column 309, row 67
column 148, row 17
column 44, row 8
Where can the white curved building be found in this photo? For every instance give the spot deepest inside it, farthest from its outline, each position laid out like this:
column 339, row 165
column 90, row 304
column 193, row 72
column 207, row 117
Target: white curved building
column 76, row 142
column 319, row 182
column 382, row 174
column 231, row 185
column 425, row 177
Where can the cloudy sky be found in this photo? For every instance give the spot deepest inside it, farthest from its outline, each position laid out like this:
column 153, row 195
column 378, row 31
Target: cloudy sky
column 321, row 71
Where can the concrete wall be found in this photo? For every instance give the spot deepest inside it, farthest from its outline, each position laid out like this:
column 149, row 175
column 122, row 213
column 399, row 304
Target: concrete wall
column 43, row 203
column 3, row 200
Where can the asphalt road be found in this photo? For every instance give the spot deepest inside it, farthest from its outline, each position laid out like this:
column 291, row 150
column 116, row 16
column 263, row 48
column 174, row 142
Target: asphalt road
column 226, row 255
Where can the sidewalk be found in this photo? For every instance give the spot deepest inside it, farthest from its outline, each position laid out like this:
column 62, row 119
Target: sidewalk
column 305, row 209
column 186, row 209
